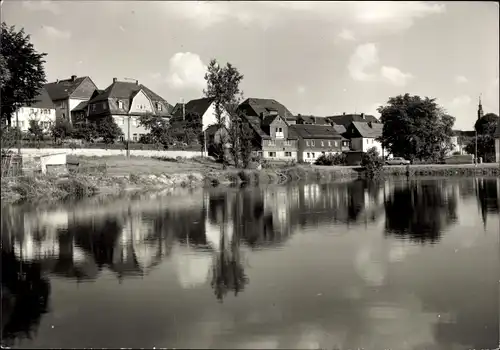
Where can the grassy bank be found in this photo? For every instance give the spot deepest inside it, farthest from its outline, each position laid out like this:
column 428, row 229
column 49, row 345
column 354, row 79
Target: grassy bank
column 112, row 176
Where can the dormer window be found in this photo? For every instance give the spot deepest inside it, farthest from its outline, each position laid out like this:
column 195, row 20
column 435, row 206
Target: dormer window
column 158, row 106
column 120, row 104
column 92, row 107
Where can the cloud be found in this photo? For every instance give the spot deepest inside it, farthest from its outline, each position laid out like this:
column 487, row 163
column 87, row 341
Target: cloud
column 394, row 76
column 365, row 56
column 44, row 5
column 56, row 33
column 186, row 71
column 388, row 16
column 155, row 76
column 460, row 79
column 346, row 35
column 301, row 89
column 460, row 101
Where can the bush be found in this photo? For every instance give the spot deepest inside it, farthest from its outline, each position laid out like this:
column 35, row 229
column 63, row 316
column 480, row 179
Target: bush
column 372, row 163
column 332, row 159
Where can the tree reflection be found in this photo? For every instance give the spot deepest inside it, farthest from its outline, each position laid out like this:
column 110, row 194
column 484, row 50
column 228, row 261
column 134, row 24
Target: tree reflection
column 25, row 296
column 421, row 210
column 487, row 196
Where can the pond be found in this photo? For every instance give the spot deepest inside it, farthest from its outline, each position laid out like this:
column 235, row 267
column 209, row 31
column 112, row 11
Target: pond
column 397, row 264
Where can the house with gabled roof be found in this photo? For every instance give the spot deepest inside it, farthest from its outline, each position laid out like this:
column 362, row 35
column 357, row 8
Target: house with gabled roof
column 268, row 119
column 42, row 110
column 69, row 93
column 126, row 102
column 312, row 120
column 317, row 140
column 363, row 136
column 204, row 107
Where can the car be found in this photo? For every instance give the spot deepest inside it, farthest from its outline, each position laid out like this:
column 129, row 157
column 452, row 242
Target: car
column 397, row 161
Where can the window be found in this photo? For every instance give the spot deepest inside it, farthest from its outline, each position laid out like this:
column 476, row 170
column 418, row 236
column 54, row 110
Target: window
column 329, row 143
column 336, row 143
column 308, row 155
column 307, row 144
column 32, row 111
column 287, row 143
column 312, row 144
column 279, row 133
column 104, row 105
column 120, row 104
column 158, row 106
column 92, row 107
column 134, row 137
column 272, row 154
column 312, row 154
column 322, row 144
column 288, row 154
column 271, row 143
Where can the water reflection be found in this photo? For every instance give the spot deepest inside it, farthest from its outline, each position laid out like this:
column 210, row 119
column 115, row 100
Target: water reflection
column 421, row 210
column 216, row 241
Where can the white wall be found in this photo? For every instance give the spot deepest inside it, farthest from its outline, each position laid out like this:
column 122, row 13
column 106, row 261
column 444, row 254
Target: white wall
column 73, row 102
column 141, row 104
column 210, row 118
column 313, row 155
column 366, row 144
column 280, row 155
column 45, row 116
column 88, row 152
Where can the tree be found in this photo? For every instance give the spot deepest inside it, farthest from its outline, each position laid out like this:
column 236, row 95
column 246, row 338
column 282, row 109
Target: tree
column 108, row 129
column 21, row 68
column 485, row 128
column 416, row 128
column 158, row 128
column 372, row 162
column 85, row 130
column 60, row 129
column 9, row 137
column 240, row 138
column 35, row 129
column 223, row 88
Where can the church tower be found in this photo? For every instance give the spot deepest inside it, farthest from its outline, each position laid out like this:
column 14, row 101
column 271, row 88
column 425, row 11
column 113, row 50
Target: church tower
column 479, row 109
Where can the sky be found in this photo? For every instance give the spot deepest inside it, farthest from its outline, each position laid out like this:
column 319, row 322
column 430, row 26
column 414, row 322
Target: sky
column 320, row 58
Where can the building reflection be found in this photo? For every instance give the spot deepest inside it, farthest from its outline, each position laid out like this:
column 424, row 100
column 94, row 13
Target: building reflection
column 487, row 194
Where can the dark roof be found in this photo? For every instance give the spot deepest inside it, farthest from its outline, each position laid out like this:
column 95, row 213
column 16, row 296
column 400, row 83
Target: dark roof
column 369, row 130
column 62, row 89
column 127, row 90
column 346, row 119
column 313, row 119
column 255, row 124
column 81, row 106
column 315, row 131
column 198, row 106
column 43, row 100
column 468, row 133
column 177, row 110
column 269, row 119
column 259, row 106
column 339, row 128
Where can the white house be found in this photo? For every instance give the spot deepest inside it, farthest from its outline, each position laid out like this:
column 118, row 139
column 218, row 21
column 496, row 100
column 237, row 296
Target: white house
column 363, row 136
column 205, row 108
column 43, row 111
column 68, row 94
column 126, row 102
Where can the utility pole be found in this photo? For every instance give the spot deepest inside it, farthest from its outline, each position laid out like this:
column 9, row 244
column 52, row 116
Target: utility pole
column 183, row 109
column 18, row 132
column 128, row 137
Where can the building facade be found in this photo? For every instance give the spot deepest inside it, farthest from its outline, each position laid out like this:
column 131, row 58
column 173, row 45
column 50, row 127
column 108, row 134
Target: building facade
column 317, row 140
column 126, row 102
column 42, row 111
column 363, row 136
column 68, row 94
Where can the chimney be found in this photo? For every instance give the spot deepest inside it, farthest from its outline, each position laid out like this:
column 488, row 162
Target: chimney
column 137, row 82
column 73, row 77
column 363, row 116
column 343, row 113
column 57, row 81
column 115, row 80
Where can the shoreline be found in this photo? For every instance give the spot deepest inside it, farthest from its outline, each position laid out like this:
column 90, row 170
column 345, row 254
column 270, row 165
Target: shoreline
column 47, row 188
